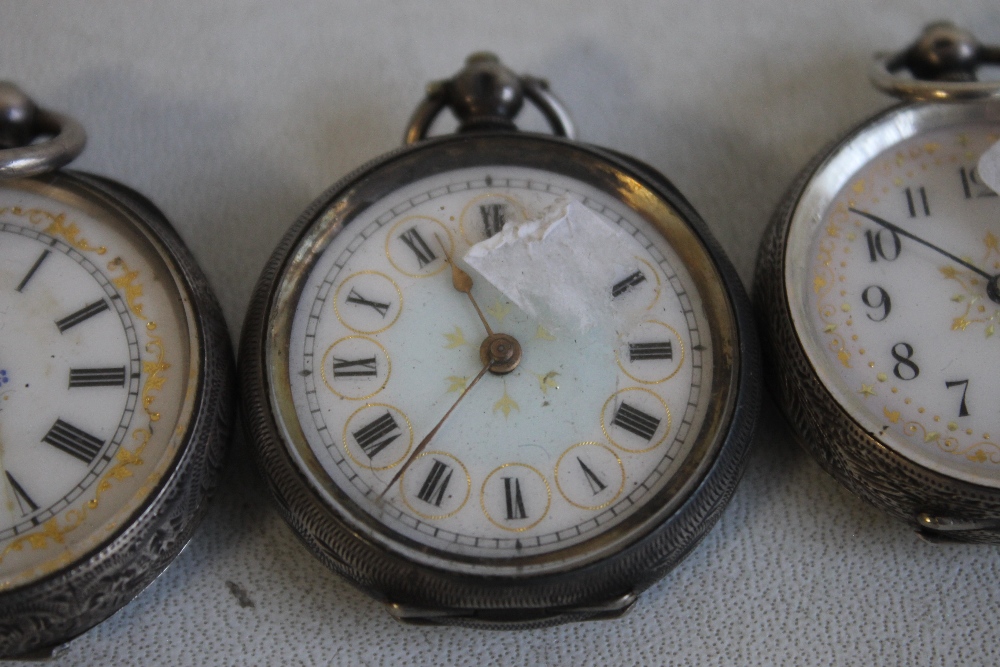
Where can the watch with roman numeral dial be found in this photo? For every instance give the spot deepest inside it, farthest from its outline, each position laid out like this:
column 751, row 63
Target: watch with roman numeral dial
column 878, row 287
column 115, row 388
column 462, row 460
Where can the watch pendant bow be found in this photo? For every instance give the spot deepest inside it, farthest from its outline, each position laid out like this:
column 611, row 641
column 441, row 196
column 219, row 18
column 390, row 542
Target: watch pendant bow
column 499, row 378
column 115, row 387
column 878, row 288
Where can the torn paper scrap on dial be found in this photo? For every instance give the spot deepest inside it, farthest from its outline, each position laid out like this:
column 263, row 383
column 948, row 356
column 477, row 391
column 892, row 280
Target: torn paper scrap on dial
column 989, row 167
column 560, row 268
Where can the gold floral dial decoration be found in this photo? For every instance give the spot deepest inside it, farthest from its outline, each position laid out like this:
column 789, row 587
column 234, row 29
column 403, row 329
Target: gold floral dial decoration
column 115, row 388
column 897, row 306
column 879, row 286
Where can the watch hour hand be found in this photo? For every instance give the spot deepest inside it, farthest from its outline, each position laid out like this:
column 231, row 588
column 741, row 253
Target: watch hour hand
column 463, row 283
column 992, row 287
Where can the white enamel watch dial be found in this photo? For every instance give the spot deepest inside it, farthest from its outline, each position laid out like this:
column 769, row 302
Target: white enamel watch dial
column 567, row 445
column 895, row 304
column 878, row 283
column 114, row 395
column 465, row 462
column 93, row 361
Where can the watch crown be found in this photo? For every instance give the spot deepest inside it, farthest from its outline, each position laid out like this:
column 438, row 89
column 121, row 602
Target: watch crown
column 18, row 116
column 485, row 93
column 944, row 52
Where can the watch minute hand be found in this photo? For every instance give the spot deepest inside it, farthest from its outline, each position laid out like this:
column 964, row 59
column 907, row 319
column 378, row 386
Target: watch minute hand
column 899, row 230
column 430, row 435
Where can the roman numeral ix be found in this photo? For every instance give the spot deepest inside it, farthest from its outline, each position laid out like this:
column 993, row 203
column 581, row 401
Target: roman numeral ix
column 348, row 368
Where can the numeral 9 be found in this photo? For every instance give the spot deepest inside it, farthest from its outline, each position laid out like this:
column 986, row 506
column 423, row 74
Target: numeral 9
column 876, row 297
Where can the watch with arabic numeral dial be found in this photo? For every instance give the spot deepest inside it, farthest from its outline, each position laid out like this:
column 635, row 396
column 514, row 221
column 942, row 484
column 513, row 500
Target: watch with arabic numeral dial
column 877, row 287
column 115, row 388
column 464, row 461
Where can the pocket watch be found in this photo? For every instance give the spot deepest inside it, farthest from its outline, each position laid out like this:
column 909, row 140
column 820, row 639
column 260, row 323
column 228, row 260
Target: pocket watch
column 877, row 285
column 456, row 458
column 115, row 387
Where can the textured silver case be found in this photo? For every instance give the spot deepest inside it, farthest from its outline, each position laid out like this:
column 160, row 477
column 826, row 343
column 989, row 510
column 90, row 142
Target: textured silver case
column 36, row 618
column 855, row 457
column 424, row 594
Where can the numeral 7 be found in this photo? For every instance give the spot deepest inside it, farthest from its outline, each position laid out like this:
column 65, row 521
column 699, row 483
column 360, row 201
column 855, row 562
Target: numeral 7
column 963, row 409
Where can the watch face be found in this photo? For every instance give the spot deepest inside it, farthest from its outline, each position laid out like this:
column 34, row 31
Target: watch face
column 577, row 452
column 891, row 270
column 95, row 360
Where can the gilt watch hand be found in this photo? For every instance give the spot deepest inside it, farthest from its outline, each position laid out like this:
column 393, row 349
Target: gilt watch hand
column 430, row 436
column 463, row 283
column 992, row 287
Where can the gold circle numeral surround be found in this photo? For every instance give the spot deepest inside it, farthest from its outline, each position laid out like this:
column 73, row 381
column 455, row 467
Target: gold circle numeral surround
column 601, row 489
column 637, row 420
column 680, row 353
column 434, row 484
column 374, row 428
column 418, row 236
column 369, row 302
column 353, row 371
column 513, row 493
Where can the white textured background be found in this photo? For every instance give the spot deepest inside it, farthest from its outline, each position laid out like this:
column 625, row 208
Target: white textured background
column 233, row 115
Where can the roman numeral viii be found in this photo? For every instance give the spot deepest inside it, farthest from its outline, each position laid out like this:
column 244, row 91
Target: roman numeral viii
column 96, row 377
column 75, row 442
column 375, row 436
